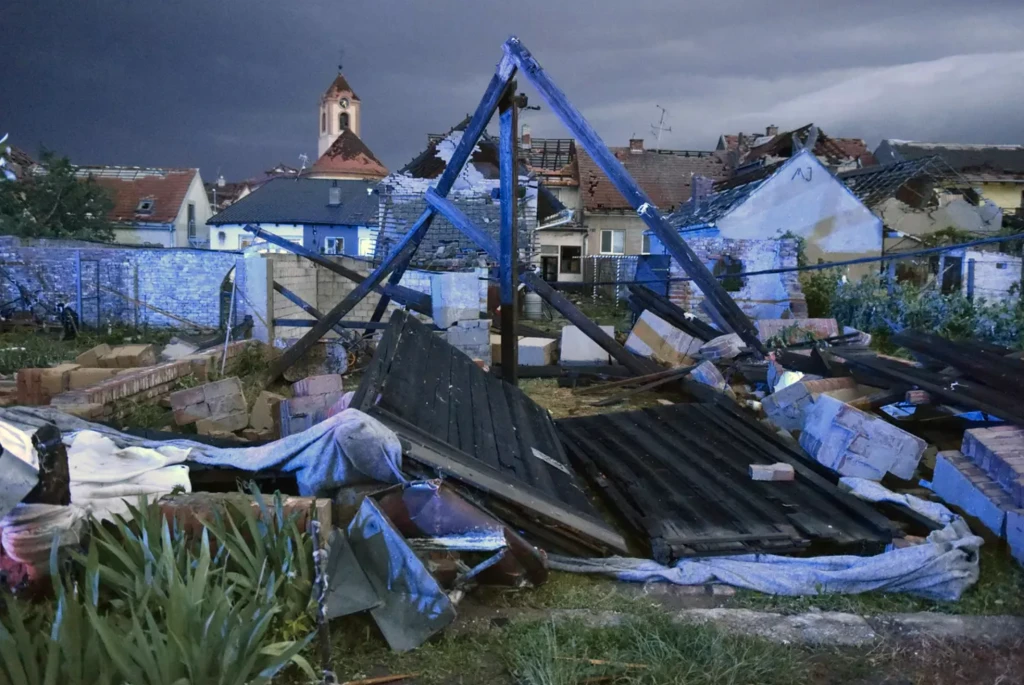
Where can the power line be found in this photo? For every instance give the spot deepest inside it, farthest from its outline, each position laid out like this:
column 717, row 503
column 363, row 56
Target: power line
column 810, row 267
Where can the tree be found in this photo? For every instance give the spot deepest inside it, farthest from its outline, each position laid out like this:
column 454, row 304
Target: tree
column 56, row 204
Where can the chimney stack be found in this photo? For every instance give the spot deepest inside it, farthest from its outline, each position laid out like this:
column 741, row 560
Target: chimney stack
column 772, row 130
column 334, row 195
column 526, row 140
column 636, row 145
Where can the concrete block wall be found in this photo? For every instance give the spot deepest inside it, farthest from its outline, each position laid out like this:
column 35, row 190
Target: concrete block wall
column 761, row 297
column 324, row 289
column 994, row 274
column 184, row 282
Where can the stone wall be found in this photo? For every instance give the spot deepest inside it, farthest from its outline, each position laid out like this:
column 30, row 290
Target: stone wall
column 184, row 282
column 760, row 297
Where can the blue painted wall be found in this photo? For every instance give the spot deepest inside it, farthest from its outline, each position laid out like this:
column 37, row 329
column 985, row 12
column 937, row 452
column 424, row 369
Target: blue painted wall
column 313, row 237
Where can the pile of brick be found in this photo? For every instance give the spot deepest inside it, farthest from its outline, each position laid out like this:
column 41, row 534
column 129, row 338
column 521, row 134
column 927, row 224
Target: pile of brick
column 986, row 480
column 90, row 392
column 311, row 400
column 120, row 357
column 215, row 408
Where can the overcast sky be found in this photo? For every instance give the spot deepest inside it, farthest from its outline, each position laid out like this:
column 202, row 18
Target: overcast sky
column 231, row 86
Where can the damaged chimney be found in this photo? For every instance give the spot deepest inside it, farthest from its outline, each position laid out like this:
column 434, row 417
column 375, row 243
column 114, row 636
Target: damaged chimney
column 700, row 188
column 334, row 195
column 636, row 145
column 772, row 130
column 526, row 140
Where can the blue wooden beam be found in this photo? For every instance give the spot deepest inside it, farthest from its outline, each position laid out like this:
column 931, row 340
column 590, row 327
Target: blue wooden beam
column 587, row 137
column 445, row 207
column 406, row 248
column 508, row 238
column 413, row 299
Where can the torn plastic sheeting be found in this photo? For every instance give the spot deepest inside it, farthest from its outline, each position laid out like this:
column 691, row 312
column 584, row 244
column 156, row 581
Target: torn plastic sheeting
column 941, row 569
column 871, row 491
column 347, row 449
column 27, row 532
column 433, row 516
column 413, row 606
column 348, row 589
column 19, row 466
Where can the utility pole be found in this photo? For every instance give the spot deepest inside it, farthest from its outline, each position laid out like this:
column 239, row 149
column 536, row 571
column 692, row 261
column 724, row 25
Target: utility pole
column 658, row 128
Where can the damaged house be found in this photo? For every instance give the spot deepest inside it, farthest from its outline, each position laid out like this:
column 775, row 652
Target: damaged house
column 335, row 217
column 738, row 229
column 475, row 192
column 155, row 206
column 747, row 152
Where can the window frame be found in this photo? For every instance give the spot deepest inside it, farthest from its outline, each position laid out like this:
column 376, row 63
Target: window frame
column 339, row 243
column 562, row 259
column 611, row 242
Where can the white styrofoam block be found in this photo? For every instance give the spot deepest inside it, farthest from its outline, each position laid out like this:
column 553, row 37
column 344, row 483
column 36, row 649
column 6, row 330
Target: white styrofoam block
column 579, row 350
column 455, row 297
column 961, row 483
column 855, row 443
column 537, row 351
column 656, row 338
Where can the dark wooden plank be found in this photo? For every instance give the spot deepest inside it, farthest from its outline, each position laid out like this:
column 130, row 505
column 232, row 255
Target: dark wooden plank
column 464, row 395
column 504, row 429
column 647, row 387
column 442, row 419
column 425, row 449
column 369, row 387
column 484, row 447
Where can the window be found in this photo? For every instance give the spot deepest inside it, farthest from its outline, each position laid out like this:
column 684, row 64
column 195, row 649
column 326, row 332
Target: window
column 571, row 262
column 222, row 237
column 323, row 122
column 191, row 219
column 244, row 242
column 343, row 121
column 367, row 246
column 645, row 245
column 613, row 242
column 333, row 246
column 145, row 206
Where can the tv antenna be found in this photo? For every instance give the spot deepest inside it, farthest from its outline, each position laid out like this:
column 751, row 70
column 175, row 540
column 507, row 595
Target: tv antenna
column 304, row 158
column 660, row 127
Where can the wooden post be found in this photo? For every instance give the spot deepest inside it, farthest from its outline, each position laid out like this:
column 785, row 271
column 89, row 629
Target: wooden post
column 970, row 279
column 508, row 261
column 78, row 286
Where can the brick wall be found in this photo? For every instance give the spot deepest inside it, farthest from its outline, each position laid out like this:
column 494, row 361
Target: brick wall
column 760, row 297
column 184, row 282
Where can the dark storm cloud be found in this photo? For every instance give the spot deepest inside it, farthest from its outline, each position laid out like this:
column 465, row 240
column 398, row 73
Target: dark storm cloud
column 232, row 86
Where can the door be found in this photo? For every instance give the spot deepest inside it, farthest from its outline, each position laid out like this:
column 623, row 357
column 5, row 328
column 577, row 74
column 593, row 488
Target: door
column 952, row 275
column 549, row 268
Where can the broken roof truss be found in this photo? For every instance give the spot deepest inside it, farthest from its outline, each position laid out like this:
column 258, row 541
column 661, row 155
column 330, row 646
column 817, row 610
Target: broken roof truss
column 499, row 95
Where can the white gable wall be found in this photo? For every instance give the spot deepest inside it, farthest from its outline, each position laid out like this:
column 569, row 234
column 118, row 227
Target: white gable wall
column 804, row 198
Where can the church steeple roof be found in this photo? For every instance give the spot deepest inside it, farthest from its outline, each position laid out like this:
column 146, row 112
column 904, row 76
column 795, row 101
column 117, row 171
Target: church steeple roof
column 338, row 86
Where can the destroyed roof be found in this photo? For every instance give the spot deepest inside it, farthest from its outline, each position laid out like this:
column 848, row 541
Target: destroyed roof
column 348, row 154
column 663, row 174
column 131, row 186
column 340, row 86
column 975, row 162
column 833, row 149
column 304, row 201
column 549, row 154
column 400, row 211
column 730, row 195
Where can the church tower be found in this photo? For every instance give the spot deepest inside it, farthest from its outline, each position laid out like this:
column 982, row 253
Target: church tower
column 339, row 111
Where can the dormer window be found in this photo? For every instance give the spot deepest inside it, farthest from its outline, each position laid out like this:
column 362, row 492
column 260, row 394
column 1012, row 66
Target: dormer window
column 145, row 206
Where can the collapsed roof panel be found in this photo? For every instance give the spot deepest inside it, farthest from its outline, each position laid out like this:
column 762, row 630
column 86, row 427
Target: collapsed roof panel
column 679, row 475
column 471, row 426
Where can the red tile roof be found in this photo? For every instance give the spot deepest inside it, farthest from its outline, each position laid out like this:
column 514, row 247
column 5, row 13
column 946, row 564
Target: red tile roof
column 129, row 186
column 663, row 174
column 349, row 155
column 340, row 86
